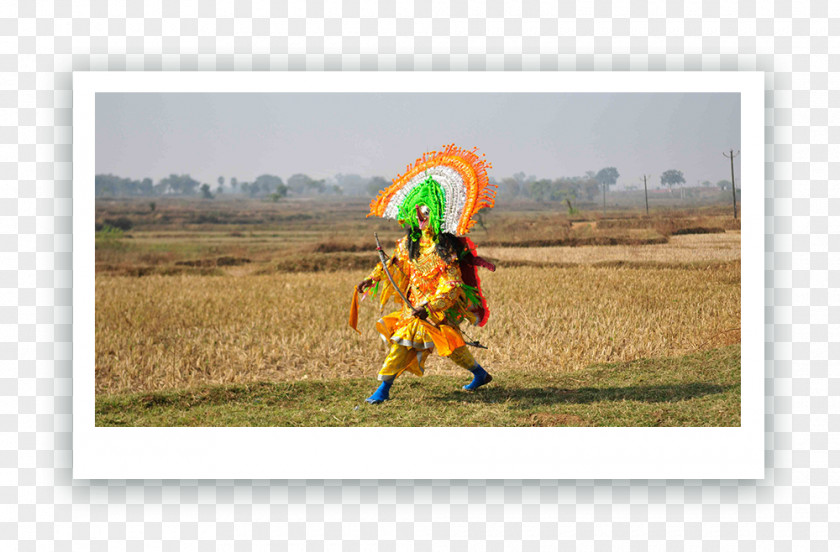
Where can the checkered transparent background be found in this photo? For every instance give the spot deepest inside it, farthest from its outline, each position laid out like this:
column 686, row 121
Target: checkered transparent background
column 41, row 44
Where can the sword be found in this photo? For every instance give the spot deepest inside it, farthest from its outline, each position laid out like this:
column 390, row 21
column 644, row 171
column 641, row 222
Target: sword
column 388, row 274
column 475, row 343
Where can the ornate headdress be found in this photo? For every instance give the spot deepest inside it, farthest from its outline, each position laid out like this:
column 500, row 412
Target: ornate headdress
column 452, row 183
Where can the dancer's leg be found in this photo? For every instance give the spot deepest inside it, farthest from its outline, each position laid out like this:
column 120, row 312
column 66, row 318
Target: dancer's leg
column 392, row 367
column 463, row 358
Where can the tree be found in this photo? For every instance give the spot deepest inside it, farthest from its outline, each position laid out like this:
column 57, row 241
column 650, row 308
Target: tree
column 523, row 183
column 588, row 187
column 234, row 183
column 280, row 192
column 300, row 183
column 541, row 190
column 178, row 185
column 706, row 184
column 352, row 184
column 607, row 177
column 316, row 186
column 161, row 187
column 724, row 185
column 112, row 185
column 221, row 181
column 250, row 189
column 265, row 183
column 559, row 189
column 509, row 187
column 671, row 177
column 105, row 185
column 205, row 191
column 521, row 180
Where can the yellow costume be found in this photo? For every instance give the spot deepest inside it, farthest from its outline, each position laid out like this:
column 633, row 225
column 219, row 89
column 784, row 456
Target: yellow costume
column 434, row 200
column 436, row 283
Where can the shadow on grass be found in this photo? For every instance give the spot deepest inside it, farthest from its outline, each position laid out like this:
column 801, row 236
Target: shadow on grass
column 535, row 396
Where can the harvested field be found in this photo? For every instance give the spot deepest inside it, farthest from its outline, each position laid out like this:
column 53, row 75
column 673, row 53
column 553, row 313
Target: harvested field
column 251, row 294
column 173, row 331
column 690, row 248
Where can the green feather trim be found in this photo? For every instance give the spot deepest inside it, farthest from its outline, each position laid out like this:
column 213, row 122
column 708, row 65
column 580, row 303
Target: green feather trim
column 471, row 294
column 454, row 316
column 430, row 194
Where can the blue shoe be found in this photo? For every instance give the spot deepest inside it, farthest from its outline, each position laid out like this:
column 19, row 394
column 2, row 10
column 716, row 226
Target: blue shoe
column 480, row 377
column 382, row 393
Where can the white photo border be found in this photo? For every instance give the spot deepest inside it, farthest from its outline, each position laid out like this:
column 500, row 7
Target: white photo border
column 429, row 453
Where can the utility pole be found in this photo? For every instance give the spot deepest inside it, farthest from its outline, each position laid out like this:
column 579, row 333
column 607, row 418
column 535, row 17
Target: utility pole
column 604, row 186
column 732, row 155
column 647, row 210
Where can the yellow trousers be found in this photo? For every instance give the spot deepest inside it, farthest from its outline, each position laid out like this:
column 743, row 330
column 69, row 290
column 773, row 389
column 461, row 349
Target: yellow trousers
column 401, row 358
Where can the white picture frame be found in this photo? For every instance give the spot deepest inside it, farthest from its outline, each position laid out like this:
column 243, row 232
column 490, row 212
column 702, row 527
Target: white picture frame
column 421, row 453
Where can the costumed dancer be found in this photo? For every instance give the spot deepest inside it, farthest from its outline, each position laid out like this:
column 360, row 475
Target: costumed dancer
column 432, row 274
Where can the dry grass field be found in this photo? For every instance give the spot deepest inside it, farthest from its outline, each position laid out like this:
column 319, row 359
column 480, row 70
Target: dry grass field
column 720, row 247
column 258, row 294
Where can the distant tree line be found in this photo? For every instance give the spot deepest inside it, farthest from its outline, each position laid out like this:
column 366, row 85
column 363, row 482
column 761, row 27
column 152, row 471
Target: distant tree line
column 267, row 186
column 559, row 189
column 569, row 188
column 264, row 186
column 581, row 188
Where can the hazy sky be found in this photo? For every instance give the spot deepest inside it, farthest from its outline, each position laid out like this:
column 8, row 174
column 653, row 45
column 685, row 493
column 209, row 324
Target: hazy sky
column 548, row 135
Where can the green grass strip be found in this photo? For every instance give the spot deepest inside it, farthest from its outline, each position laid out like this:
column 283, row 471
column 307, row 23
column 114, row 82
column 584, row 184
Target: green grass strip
column 701, row 389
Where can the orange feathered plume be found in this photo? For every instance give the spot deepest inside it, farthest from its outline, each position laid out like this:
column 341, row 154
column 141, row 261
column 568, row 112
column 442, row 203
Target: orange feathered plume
column 472, row 168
